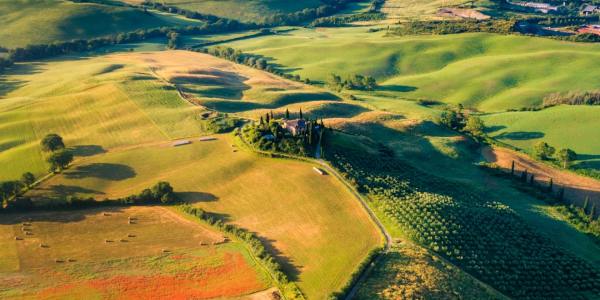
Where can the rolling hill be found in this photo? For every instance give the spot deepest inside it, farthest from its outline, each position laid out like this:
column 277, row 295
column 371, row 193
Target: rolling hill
column 28, row 22
column 483, row 71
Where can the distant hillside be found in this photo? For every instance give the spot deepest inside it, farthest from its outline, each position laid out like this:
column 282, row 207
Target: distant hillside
column 27, row 22
column 242, row 10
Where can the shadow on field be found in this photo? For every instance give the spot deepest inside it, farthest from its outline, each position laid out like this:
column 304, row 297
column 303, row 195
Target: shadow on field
column 61, row 190
column 87, row 150
column 9, row 85
column 520, row 135
column 287, row 264
column 490, row 129
column 106, row 171
column 397, row 88
column 55, row 215
column 10, row 144
column 195, row 197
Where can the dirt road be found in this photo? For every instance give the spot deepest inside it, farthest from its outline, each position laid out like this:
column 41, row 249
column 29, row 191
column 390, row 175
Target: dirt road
column 577, row 187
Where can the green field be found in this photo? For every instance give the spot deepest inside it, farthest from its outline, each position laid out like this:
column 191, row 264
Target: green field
column 303, row 217
column 96, row 104
column 247, row 11
column 484, row 71
column 574, row 127
column 96, row 253
column 120, row 114
column 46, row 21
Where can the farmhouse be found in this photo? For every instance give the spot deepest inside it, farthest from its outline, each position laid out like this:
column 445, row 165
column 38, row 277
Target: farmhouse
column 540, row 7
column 295, row 127
column 589, row 10
column 593, row 29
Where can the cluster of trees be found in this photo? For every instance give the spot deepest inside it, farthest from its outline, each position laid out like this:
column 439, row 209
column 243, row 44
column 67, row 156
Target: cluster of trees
column 484, row 237
column 339, row 21
column 251, row 60
column 289, row 288
column 583, row 218
column 456, row 120
column 455, row 26
column 12, row 200
column 544, row 151
column 353, row 82
column 220, row 123
column 268, row 135
column 5, row 63
column 60, row 157
column 565, row 21
column 573, row 98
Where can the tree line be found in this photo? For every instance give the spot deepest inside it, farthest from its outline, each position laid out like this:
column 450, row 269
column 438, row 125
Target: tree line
column 329, row 7
column 572, row 98
column 353, row 82
column 455, row 26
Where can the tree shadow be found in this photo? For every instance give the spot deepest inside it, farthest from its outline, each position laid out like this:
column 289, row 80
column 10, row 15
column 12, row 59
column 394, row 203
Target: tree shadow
column 87, row 150
column 397, row 88
column 195, row 197
column 55, row 215
column 289, row 267
column 61, row 190
column 10, row 144
column 520, row 135
column 107, row 171
column 8, row 85
column 490, row 129
column 588, row 156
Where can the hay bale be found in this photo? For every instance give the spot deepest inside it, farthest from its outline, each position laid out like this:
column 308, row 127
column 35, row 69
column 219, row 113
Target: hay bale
column 123, row 240
column 131, row 235
column 106, row 214
column 17, row 238
column 108, row 241
column 71, row 260
column 44, row 246
column 165, row 251
column 28, row 233
column 58, row 260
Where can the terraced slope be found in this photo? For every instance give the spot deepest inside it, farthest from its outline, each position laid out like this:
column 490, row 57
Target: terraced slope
column 485, row 71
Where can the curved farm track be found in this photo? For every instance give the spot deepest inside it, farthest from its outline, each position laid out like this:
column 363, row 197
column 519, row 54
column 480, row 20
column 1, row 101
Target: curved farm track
column 577, row 187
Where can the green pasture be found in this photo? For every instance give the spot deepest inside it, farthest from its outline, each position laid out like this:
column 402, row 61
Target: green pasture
column 316, row 228
column 483, row 71
column 566, row 126
column 46, row 21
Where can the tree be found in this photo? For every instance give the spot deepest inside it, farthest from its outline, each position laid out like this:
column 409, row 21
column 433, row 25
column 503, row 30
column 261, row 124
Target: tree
column 301, row 113
column 566, row 156
column 59, row 160
column 287, row 114
column 512, row 168
column 524, row 176
column 163, row 191
column 593, row 211
column 52, row 142
column 543, row 151
column 272, row 118
column 449, row 118
column 27, row 179
column 550, row 185
column 268, row 118
column 475, row 126
column 532, row 179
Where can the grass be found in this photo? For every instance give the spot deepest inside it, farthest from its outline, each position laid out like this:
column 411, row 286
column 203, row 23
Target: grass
column 574, row 127
column 132, row 264
column 484, row 71
column 65, row 20
column 96, row 104
column 303, row 217
column 410, row 272
column 246, row 11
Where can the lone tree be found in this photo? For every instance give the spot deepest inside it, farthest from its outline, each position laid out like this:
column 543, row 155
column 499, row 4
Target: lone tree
column 543, row 151
column 475, row 126
column 301, row 117
column 59, row 160
column 287, row 114
column 566, row 156
column 27, row 179
column 52, row 142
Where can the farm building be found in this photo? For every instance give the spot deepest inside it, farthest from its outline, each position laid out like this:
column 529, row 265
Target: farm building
column 296, row 126
column 594, row 29
column 539, row 7
column 589, row 10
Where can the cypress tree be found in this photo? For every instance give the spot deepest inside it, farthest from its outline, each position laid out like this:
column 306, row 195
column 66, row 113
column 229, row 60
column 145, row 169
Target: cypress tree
column 300, row 113
column 532, row 179
column 268, row 118
column 550, row 185
column 262, row 121
column 287, row 114
column 524, row 176
column 512, row 168
column 272, row 115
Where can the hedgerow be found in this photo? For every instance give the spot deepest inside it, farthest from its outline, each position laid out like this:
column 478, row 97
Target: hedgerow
column 482, row 236
column 288, row 288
